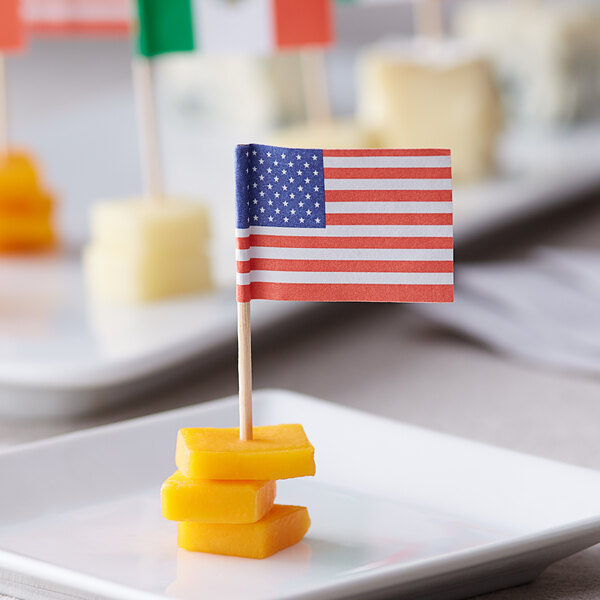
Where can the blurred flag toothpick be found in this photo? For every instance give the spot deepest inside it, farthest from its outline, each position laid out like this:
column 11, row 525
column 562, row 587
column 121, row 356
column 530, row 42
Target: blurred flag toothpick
column 11, row 26
column 78, row 17
column 428, row 18
column 260, row 26
column 222, row 26
column 12, row 38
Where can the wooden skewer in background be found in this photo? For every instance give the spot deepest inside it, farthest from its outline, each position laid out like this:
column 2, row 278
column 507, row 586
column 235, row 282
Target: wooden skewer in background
column 428, row 18
column 314, row 83
column 143, row 79
column 3, row 106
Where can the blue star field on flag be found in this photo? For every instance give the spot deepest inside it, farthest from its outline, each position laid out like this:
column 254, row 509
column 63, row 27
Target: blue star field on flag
column 279, row 187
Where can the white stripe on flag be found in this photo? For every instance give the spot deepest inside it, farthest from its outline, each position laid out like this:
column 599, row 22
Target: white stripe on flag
column 363, row 162
column 352, row 231
column 388, row 184
column 234, row 26
column 343, row 253
column 347, row 278
column 388, row 207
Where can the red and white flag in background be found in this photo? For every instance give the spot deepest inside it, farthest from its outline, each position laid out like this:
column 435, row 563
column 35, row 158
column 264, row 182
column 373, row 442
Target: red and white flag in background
column 77, row 16
column 11, row 26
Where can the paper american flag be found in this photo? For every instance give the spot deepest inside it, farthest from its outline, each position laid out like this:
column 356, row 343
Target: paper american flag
column 344, row 225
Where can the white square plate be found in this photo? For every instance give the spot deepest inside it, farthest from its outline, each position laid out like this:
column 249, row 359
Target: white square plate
column 395, row 509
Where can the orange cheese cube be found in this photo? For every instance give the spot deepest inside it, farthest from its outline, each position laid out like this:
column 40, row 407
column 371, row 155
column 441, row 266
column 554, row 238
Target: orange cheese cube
column 17, row 175
column 282, row 527
column 25, row 233
column 38, row 204
column 276, row 452
column 209, row 501
column 25, row 208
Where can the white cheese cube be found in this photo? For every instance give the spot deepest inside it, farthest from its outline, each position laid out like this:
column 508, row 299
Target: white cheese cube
column 436, row 94
column 546, row 55
column 142, row 251
column 326, row 134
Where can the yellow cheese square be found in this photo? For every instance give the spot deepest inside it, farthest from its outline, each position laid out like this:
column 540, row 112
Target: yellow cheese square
column 276, row 452
column 210, row 501
column 282, row 527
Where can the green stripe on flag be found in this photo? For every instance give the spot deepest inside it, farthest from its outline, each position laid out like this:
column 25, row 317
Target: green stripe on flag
column 165, row 26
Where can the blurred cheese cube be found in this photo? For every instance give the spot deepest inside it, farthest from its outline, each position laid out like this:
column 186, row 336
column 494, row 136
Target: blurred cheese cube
column 430, row 93
column 326, row 134
column 26, row 209
column 17, row 175
column 143, row 250
column 137, row 278
column 142, row 225
column 208, row 87
column 25, row 234
column 546, row 55
column 38, row 204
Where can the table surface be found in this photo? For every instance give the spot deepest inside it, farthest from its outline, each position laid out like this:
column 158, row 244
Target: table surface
column 387, row 360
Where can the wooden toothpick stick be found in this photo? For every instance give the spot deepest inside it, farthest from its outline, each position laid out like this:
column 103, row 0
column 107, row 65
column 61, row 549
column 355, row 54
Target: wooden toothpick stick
column 143, row 71
column 245, row 370
column 3, row 106
column 314, row 82
column 428, row 18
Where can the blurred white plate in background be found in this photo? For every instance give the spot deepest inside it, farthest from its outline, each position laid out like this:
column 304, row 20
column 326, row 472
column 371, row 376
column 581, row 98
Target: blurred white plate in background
column 395, row 509
column 542, row 310
column 61, row 354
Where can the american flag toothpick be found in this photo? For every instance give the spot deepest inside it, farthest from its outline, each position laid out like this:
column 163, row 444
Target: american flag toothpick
column 340, row 226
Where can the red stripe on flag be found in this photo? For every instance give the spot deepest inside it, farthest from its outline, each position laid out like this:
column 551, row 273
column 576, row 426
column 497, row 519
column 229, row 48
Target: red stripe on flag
column 12, row 34
column 383, row 152
column 340, row 292
column 346, row 266
column 297, row 241
column 389, row 219
column 388, row 195
column 302, row 23
column 388, row 173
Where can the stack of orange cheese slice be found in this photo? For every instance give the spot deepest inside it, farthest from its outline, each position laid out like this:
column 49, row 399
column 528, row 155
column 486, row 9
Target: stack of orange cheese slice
column 26, row 209
column 224, row 491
